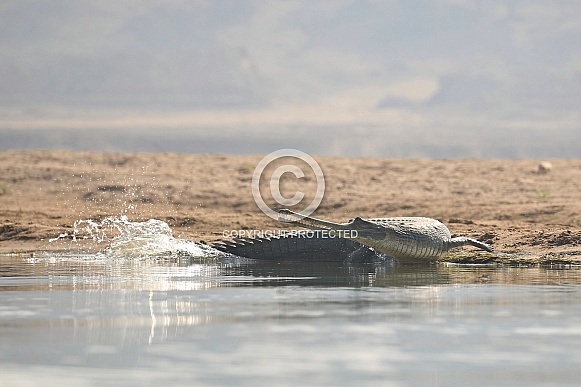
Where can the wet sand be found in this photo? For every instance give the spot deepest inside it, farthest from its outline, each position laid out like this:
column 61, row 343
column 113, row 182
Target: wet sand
column 532, row 216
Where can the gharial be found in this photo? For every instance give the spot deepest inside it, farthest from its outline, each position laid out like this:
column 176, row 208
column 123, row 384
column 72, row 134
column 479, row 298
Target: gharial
column 410, row 239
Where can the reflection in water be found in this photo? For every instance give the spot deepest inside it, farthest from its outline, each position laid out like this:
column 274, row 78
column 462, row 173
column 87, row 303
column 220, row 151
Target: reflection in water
column 186, row 273
column 70, row 319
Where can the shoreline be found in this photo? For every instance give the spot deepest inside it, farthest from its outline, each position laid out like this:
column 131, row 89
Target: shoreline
column 507, row 203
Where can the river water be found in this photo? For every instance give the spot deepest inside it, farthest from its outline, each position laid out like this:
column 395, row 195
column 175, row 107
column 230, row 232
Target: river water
column 127, row 316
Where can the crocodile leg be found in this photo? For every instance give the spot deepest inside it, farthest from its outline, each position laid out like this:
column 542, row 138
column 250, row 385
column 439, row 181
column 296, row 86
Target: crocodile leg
column 463, row 241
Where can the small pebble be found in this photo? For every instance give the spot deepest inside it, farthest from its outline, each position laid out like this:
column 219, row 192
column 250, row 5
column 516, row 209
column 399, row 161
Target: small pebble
column 544, row 167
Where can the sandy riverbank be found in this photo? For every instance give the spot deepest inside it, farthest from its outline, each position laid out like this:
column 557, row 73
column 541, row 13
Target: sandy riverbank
column 503, row 202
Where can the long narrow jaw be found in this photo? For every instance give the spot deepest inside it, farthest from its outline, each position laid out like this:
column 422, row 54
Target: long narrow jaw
column 358, row 227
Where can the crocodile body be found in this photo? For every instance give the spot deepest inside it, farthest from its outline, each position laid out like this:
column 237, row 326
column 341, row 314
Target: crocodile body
column 296, row 246
column 401, row 238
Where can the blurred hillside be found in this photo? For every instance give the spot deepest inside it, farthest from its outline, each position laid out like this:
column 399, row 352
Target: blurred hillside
column 447, row 78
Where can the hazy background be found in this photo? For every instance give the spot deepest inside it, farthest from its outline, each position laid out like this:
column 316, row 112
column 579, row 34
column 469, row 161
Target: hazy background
column 442, row 78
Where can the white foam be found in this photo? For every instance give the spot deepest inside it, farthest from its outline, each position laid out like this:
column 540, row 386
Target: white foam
column 129, row 239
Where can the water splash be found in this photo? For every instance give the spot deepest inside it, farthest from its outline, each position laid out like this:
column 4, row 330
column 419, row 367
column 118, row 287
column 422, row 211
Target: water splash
column 128, row 239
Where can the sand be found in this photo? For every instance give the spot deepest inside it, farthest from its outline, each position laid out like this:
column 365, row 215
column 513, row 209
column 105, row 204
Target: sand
column 529, row 214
